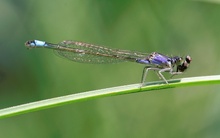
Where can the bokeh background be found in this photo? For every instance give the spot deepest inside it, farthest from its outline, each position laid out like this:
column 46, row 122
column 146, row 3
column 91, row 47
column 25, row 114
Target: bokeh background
column 170, row 27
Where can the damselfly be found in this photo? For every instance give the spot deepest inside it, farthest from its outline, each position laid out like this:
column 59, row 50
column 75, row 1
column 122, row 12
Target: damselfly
column 89, row 53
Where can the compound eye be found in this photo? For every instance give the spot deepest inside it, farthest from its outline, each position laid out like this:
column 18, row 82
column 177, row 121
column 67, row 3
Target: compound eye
column 188, row 59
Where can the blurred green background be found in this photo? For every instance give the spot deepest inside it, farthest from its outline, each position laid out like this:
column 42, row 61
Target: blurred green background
column 170, row 27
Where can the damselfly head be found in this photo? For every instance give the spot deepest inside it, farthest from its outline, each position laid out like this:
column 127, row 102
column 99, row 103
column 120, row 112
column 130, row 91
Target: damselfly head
column 30, row 44
column 185, row 64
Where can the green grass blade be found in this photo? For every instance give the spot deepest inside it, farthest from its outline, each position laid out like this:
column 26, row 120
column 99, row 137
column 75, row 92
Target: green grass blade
column 126, row 89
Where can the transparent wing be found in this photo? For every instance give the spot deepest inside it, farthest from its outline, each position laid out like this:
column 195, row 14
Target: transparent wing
column 89, row 53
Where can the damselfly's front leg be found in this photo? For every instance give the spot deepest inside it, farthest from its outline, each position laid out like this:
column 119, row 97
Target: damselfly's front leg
column 175, row 73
